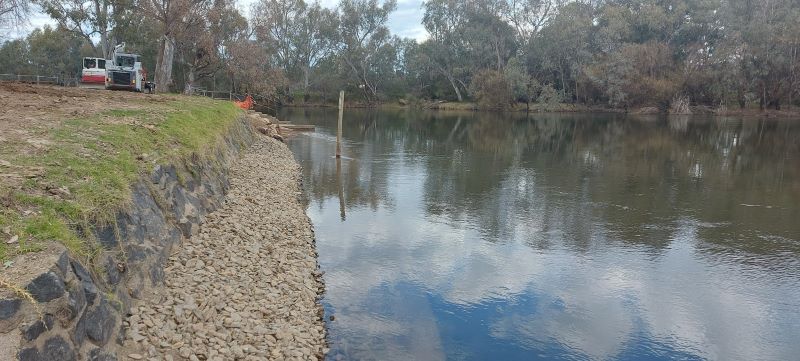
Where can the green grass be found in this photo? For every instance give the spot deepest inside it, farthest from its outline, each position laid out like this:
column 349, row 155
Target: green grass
column 97, row 159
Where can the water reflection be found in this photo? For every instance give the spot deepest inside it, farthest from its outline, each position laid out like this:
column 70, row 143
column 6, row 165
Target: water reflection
column 481, row 236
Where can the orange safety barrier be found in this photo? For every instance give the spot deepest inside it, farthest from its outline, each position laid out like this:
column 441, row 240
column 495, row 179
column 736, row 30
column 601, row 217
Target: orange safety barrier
column 246, row 104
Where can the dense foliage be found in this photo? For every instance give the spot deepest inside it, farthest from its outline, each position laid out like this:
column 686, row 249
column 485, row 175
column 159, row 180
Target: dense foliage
column 663, row 54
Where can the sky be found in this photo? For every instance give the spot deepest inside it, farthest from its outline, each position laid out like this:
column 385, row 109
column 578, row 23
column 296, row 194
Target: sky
column 405, row 22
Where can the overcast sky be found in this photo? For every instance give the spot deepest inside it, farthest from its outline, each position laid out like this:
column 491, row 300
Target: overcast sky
column 405, row 22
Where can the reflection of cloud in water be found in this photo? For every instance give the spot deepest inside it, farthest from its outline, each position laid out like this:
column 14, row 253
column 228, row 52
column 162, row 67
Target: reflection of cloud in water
column 604, row 249
column 589, row 305
column 600, row 304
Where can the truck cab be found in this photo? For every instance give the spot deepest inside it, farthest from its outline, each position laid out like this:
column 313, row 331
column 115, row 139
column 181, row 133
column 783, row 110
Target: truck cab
column 125, row 72
column 93, row 73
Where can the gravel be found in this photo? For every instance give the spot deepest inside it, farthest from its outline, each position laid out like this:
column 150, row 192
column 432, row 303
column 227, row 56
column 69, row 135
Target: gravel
column 247, row 286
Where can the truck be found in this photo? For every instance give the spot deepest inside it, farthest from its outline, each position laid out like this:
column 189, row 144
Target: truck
column 93, row 73
column 125, row 72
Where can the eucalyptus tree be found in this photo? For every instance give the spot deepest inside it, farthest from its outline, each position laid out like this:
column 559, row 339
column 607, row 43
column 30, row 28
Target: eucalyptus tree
column 362, row 37
column 276, row 24
column 202, row 43
column 314, row 39
column 13, row 12
column 445, row 49
column 94, row 20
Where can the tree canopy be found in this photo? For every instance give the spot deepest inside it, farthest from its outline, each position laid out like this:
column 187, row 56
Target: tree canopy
column 616, row 53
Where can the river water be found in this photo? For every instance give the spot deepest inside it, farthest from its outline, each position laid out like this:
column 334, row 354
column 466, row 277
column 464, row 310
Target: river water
column 482, row 236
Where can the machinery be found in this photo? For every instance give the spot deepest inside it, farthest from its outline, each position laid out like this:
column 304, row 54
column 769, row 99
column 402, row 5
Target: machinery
column 93, row 73
column 125, row 71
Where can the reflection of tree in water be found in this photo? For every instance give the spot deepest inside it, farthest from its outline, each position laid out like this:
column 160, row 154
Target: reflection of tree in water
column 575, row 180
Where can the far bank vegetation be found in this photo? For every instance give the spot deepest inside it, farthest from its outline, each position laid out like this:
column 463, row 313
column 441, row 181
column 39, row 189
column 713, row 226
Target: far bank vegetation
column 677, row 56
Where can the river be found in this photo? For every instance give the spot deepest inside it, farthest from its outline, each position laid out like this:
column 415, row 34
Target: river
column 480, row 236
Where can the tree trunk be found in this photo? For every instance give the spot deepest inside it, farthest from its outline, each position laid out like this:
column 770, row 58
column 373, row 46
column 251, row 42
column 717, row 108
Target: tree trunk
column 455, row 87
column 101, row 11
column 163, row 76
column 497, row 52
column 104, row 46
column 189, row 81
column 305, row 78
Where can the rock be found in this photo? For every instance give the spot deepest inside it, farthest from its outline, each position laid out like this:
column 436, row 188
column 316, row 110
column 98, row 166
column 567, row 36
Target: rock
column 37, row 328
column 9, row 307
column 76, row 300
column 100, row 323
column 101, row 355
column 135, row 356
column 46, row 287
column 80, row 271
column 112, row 272
column 14, row 239
column 29, row 354
column 89, row 291
column 57, row 348
column 248, row 273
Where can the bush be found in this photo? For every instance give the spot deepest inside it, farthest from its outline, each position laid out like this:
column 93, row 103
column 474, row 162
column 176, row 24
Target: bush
column 549, row 96
column 491, row 89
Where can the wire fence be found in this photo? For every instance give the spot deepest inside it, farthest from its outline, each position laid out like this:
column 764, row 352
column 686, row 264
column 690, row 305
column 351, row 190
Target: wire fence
column 262, row 104
column 39, row 79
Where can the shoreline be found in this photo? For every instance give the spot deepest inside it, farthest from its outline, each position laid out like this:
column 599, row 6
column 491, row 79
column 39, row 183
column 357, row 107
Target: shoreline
column 248, row 285
column 563, row 108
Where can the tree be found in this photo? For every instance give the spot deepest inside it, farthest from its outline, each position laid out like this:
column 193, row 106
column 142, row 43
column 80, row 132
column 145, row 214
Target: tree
column 314, row 39
column 362, row 35
column 202, row 43
column 91, row 19
column 172, row 17
column 297, row 35
column 13, row 12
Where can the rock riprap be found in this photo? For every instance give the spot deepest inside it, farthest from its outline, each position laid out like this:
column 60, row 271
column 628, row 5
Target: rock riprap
column 246, row 287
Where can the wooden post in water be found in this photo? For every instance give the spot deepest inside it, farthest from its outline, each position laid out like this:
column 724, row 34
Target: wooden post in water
column 339, row 127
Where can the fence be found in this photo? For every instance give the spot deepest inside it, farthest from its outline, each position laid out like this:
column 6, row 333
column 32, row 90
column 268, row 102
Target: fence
column 263, row 104
column 39, row 79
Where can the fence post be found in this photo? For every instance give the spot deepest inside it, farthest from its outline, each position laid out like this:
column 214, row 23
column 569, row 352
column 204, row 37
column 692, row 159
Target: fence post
column 339, row 127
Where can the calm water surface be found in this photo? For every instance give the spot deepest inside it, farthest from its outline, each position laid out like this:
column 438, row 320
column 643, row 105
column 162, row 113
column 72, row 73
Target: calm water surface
column 593, row 237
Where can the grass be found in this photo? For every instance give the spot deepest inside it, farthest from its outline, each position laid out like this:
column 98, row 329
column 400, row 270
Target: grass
column 87, row 169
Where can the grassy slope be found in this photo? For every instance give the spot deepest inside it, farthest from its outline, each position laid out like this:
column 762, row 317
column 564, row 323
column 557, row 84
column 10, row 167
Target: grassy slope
column 95, row 160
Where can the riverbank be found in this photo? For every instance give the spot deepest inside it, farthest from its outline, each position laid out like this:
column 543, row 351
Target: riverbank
column 559, row 108
column 100, row 189
column 246, row 286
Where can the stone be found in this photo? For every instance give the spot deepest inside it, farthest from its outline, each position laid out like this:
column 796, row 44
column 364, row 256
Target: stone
column 100, row 323
column 39, row 327
column 90, row 291
column 57, row 348
column 78, row 334
column 29, row 354
column 112, row 272
column 76, row 300
column 63, row 263
column 46, row 287
column 9, row 307
column 99, row 354
column 135, row 356
column 107, row 236
column 80, row 271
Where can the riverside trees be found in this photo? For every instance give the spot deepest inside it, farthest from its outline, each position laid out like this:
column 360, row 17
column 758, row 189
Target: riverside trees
column 618, row 53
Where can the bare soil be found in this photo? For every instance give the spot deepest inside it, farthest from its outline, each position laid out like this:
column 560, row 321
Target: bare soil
column 28, row 112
